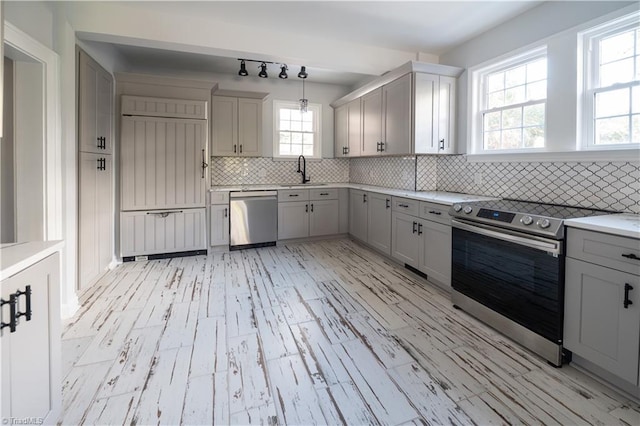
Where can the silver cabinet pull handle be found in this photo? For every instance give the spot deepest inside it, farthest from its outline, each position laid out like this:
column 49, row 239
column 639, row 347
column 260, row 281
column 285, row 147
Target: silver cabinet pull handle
column 164, row 214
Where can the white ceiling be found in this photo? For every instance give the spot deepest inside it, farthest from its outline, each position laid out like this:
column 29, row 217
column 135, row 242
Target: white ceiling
column 428, row 27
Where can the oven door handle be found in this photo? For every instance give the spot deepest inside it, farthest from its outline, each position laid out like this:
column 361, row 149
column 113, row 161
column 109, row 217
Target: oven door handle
column 549, row 246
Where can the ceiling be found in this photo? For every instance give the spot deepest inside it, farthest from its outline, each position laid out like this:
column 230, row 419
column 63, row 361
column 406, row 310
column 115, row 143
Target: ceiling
column 428, row 27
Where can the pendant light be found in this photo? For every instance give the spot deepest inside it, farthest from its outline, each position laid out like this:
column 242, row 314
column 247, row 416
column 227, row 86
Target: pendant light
column 283, row 71
column 243, row 69
column 263, row 71
column 304, row 102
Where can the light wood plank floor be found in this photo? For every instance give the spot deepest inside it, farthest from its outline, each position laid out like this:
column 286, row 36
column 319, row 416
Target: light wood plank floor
column 312, row 333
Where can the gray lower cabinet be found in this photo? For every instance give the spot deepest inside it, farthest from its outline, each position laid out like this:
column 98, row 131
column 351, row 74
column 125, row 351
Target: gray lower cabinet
column 358, row 214
column 379, row 222
column 602, row 306
column 406, row 243
column 598, row 326
column 219, row 225
column 316, row 214
column 30, row 365
column 435, row 258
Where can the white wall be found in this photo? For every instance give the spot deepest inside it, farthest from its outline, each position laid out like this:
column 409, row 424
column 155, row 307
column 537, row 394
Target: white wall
column 553, row 23
column 278, row 89
column 33, row 17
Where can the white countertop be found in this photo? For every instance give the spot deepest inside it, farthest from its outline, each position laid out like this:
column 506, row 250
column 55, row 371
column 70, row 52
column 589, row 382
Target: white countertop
column 439, row 197
column 17, row 257
column 625, row 224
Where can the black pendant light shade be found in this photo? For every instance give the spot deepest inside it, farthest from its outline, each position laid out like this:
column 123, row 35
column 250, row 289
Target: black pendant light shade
column 283, row 71
column 303, row 72
column 263, row 71
column 243, row 69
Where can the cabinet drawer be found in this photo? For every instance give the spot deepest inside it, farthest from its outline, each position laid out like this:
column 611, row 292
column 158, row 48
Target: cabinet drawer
column 405, row 205
column 435, row 212
column 219, row 198
column 163, row 107
column 293, row 195
column 612, row 251
column 323, row 194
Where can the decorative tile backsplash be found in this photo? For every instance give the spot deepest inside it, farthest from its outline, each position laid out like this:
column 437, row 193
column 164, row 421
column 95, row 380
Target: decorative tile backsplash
column 427, row 173
column 251, row 171
column 390, row 172
column 600, row 185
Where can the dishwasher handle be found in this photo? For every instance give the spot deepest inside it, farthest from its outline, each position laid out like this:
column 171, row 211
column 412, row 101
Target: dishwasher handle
column 253, row 194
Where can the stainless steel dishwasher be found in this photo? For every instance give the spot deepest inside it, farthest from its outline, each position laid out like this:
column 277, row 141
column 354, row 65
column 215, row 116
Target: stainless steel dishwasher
column 254, row 219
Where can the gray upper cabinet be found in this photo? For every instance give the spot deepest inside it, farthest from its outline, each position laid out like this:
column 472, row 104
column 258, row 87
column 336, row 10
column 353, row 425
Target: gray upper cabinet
column 602, row 307
column 95, row 109
column 409, row 110
column 236, row 126
column 348, row 129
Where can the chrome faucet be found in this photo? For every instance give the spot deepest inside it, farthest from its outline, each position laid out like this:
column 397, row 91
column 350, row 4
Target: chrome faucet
column 303, row 171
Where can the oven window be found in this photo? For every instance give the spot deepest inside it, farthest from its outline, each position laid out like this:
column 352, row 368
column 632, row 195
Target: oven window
column 521, row 283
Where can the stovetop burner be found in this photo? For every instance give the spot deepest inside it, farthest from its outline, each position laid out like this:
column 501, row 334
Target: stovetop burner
column 525, row 216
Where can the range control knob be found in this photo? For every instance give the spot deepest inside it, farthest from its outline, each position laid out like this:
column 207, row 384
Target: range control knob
column 468, row 209
column 527, row 220
column 544, row 223
column 457, row 207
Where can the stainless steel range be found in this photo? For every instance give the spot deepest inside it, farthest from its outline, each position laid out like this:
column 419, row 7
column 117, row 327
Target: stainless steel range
column 508, row 268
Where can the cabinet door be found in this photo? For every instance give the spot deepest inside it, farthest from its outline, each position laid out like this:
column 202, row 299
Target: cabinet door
column 161, row 163
column 95, row 109
column 435, row 259
column 341, row 126
column 219, row 225
column 405, row 243
column 354, row 146
column 30, row 355
column 250, row 127
column 379, row 225
column 446, row 115
column 224, row 126
column 597, row 326
column 157, row 231
column 324, row 218
column 372, row 122
column 397, row 116
column 358, row 213
column 95, row 216
column 293, row 220
column 426, row 113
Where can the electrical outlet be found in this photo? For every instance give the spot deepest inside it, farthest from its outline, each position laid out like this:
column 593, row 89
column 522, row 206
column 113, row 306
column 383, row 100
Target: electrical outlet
column 477, row 178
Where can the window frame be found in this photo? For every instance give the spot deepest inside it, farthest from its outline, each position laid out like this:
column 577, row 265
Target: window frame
column 317, row 123
column 589, row 41
column 477, row 83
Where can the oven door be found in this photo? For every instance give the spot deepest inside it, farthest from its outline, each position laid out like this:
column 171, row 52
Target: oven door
column 517, row 275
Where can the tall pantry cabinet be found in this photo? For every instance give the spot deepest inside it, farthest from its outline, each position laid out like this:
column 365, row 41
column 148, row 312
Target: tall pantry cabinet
column 95, row 170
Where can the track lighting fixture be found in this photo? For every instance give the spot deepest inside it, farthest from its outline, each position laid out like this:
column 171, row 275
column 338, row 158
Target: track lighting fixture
column 283, row 71
column 263, row 71
column 303, row 72
column 243, row 69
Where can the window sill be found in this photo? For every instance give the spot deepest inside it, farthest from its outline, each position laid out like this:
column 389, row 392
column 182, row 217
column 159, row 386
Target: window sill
column 625, row 155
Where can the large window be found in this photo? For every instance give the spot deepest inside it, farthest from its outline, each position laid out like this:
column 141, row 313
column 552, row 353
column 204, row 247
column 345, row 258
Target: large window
column 295, row 132
column 611, row 107
column 511, row 104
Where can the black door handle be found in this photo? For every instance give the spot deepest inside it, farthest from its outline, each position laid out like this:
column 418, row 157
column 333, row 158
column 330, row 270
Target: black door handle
column 240, row 148
column 631, row 256
column 306, row 208
column 419, row 229
column 204, row 164
column 388, row 203
column 627, row 289
column 235, row 147
column 311, row 207
column 381, row 146
column 27, row 312
column 414, row 227
column 364, row 198
column 435, row 212
column 13, row 300
column 441, row 144
column 226, row 212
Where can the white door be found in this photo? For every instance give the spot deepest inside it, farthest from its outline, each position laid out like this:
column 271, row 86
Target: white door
column 372, row 122
column 597, row 325
column 219, row 225
column 397, row 116
column 161, row 163
column 358, row 213
column 224, row 126
column 293, row 220
column 406, row 243
column 250, row 127
column 324, row 217
column 435, row 258
column 379, row 225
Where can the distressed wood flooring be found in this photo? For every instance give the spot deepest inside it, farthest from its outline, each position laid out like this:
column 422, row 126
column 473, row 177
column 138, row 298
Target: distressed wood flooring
column 323, row 332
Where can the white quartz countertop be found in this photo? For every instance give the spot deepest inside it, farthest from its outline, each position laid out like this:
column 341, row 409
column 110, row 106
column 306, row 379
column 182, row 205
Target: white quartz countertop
column 439, row 197
column 625, row 224
column 19, row 256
